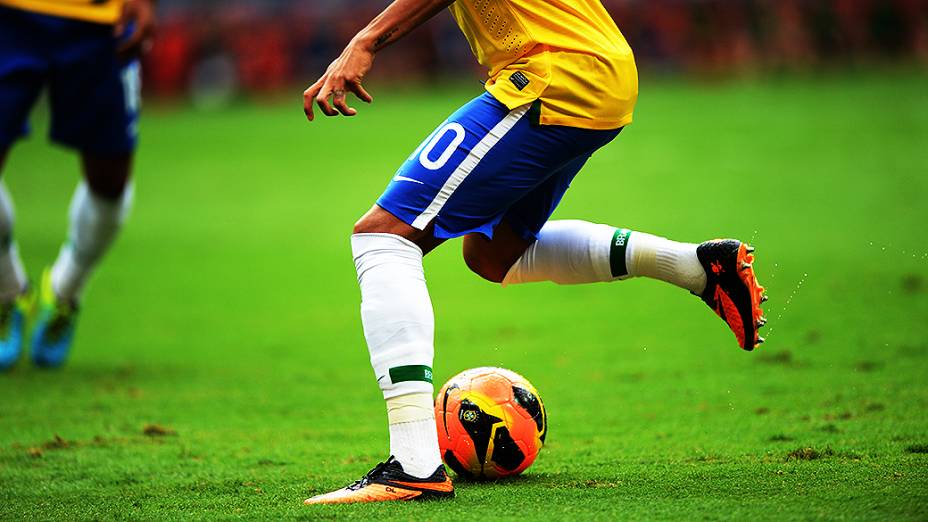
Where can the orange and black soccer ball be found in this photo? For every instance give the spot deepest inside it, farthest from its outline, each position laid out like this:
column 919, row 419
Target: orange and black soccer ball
column 491, row 423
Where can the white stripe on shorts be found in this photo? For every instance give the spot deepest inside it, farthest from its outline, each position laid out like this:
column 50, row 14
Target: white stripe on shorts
column 470, row 162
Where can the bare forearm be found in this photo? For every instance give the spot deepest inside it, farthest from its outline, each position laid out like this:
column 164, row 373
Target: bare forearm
column 347, row 71
column 396, row 21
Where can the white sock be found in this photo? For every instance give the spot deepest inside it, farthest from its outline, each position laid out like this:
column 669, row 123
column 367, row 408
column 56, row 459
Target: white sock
column 95, row 221
column 12, row 274
column 413, row 437
column 666, row 260
column 568, row 252
column 577, row 252
column 399, row 327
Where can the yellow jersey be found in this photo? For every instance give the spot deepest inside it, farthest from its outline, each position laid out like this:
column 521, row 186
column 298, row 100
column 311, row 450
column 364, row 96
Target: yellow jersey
column 99, row 11
column 569, row 54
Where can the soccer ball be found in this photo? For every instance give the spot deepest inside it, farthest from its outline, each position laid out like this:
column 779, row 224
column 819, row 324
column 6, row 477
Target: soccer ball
column 491, row 423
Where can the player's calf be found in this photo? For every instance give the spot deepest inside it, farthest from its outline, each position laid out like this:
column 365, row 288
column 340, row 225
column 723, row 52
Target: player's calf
column 491, row 259
column 95, row 221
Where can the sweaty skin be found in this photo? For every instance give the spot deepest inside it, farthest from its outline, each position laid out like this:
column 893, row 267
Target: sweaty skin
column 490, row 259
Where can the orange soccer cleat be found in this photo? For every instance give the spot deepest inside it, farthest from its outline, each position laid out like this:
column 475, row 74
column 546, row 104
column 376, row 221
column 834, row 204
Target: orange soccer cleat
column 387, row 481
column 732, row 290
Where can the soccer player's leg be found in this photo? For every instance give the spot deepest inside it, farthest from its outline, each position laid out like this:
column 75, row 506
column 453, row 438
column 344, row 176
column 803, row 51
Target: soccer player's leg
column 96, row 216
column 396, row 313
column 459, row 181
column 577, row 252
column 720, row 272
column 23, row 70
column 94, row 103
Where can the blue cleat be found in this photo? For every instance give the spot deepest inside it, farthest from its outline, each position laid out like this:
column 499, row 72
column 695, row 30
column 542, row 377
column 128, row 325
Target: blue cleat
column 53, row 331
column 12, row 330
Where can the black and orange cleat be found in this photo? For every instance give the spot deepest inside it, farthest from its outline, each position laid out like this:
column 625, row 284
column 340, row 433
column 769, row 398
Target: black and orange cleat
column 732, row 290
column 386, row 482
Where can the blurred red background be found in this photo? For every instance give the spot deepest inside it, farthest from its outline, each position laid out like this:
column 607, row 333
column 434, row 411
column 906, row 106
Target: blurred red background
column 263, row 46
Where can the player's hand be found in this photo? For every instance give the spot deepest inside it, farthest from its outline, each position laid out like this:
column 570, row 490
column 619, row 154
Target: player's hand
column 344, row 75
column 142, row 13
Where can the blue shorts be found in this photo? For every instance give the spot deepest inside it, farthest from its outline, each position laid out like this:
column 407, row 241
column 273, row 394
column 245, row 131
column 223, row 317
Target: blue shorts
column 94, row 96
column 485, row 164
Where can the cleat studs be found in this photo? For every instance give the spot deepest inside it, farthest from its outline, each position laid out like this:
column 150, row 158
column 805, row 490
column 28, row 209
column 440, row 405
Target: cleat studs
column 745, row 266
column 761, row 321
column 749, row 249
column 760, row 340
column 764, row 298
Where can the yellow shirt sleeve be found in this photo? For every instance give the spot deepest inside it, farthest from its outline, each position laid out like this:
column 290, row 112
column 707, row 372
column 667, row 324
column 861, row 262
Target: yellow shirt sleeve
column 101, row 12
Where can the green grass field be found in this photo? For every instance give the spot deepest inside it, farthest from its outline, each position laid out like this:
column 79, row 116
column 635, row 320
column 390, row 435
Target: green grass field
column 227, row 314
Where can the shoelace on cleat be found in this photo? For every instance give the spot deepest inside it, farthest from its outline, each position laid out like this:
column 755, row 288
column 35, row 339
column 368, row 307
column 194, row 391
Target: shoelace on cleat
column 366, row 479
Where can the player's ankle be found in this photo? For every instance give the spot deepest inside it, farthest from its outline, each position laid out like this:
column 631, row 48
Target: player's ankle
column 413, row 436
column 670, row 261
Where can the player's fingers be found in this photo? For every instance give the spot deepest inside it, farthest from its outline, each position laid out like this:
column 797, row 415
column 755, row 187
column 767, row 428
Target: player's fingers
column 309, row 98
column 338, row 100
column 359, row 91
column 322, row 101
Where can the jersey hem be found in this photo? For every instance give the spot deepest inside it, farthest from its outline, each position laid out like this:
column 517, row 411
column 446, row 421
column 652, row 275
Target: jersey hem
column 564, row 121
column 583, row 123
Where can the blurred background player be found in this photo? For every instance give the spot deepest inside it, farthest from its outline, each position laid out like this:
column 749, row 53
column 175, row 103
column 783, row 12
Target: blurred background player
column 83, row 53
column 562, row 84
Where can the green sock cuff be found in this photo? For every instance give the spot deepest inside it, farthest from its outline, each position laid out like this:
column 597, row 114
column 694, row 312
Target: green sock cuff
column 415, row 372
column 617, row 252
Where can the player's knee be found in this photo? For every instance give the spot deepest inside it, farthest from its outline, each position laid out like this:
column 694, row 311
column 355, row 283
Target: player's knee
column 379, row 221
column 365, row 225
column 108, row 191
column 485, row 264
column 107, row 177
